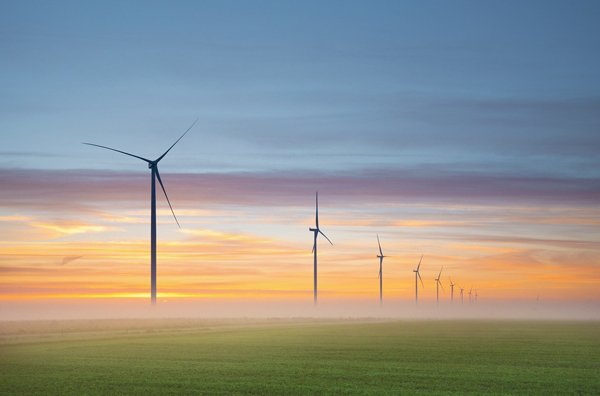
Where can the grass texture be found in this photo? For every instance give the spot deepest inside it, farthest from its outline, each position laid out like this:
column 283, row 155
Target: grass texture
column 304, row 358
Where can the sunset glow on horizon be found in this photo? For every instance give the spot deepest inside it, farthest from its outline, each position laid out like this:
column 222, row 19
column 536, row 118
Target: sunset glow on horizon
column 262, row 250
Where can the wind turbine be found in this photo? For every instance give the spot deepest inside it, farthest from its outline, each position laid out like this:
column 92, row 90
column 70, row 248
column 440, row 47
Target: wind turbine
column 470, row 294
column 461, row 294
column 153, row 165
column 475, row 297
column 537, row 299
column 380, row 276
column 416, row 284
column 451, row 291
column 317, row 231
column 438, row 284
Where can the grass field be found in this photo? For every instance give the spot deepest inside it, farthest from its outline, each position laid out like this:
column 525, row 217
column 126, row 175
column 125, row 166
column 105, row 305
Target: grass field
column 313, row 357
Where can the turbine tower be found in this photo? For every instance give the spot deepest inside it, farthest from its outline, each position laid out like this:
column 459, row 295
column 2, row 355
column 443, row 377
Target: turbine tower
column 438, row 284
column 451, row 291
column 470, row 294
column 317, row 231
column 380, row 276
column 154, row 174
column 417, row 274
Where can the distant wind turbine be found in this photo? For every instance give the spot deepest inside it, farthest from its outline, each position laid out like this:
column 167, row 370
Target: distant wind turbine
column 461, row 295
column 380, row 276
column 438, row 284
column 317, row 231
column 417, row 274
column 470, row 294
column 153, row 165
column 451, row 291
column 475, row 297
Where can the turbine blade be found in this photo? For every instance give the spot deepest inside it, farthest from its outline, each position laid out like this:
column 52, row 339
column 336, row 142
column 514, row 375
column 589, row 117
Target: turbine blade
column 440, row 272
column 315, row 243
column 161, row 157
column 380, row 252
column 422, row 284
column 419, row 263
column 442, row 286
column 321, row 232
column 165, row 191
column 119, row 151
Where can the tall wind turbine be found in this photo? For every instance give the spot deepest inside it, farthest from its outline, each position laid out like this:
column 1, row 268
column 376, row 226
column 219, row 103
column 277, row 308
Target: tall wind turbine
column 317, row 231
column 475, row 297
column 153, row 165
column 380, row 276
column 461, row 295
column 470, row 294
column 451, row 291
column 438, row 284
column 417, row 274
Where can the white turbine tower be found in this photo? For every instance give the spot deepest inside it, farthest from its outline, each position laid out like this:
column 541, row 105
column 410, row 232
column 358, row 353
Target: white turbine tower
column 317, row 231
column 417, row 274
column 380, row 276
column 153, row 165
column 438, row 284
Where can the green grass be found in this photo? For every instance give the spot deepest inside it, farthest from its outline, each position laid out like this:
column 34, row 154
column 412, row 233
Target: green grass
column 394, row 358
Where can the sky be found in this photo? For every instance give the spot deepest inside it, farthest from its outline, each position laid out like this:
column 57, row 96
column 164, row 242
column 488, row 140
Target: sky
column 465, row 132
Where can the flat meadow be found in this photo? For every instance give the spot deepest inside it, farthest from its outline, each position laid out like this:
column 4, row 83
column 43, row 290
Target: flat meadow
column 300, row 357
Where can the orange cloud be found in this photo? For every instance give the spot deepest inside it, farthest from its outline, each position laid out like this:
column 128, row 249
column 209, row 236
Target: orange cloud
column 62, row 228
column 17, row 218
column 125, row 219
column 218, row 236
column 504, row 250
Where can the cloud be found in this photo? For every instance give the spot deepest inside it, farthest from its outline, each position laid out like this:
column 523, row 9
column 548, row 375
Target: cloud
column 404, row 122
column 62, row 228
column 347, row 220
column 218, row 236
column 27, row 270
column 125, row 219
column 497, row 230
column 532, row 126
column 16, row 218
column 82, row 190
column 69, row 259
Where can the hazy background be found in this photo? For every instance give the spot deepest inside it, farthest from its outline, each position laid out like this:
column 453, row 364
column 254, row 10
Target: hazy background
column 464, row 131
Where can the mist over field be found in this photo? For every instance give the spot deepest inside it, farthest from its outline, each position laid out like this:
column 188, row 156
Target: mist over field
column 392, row 309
